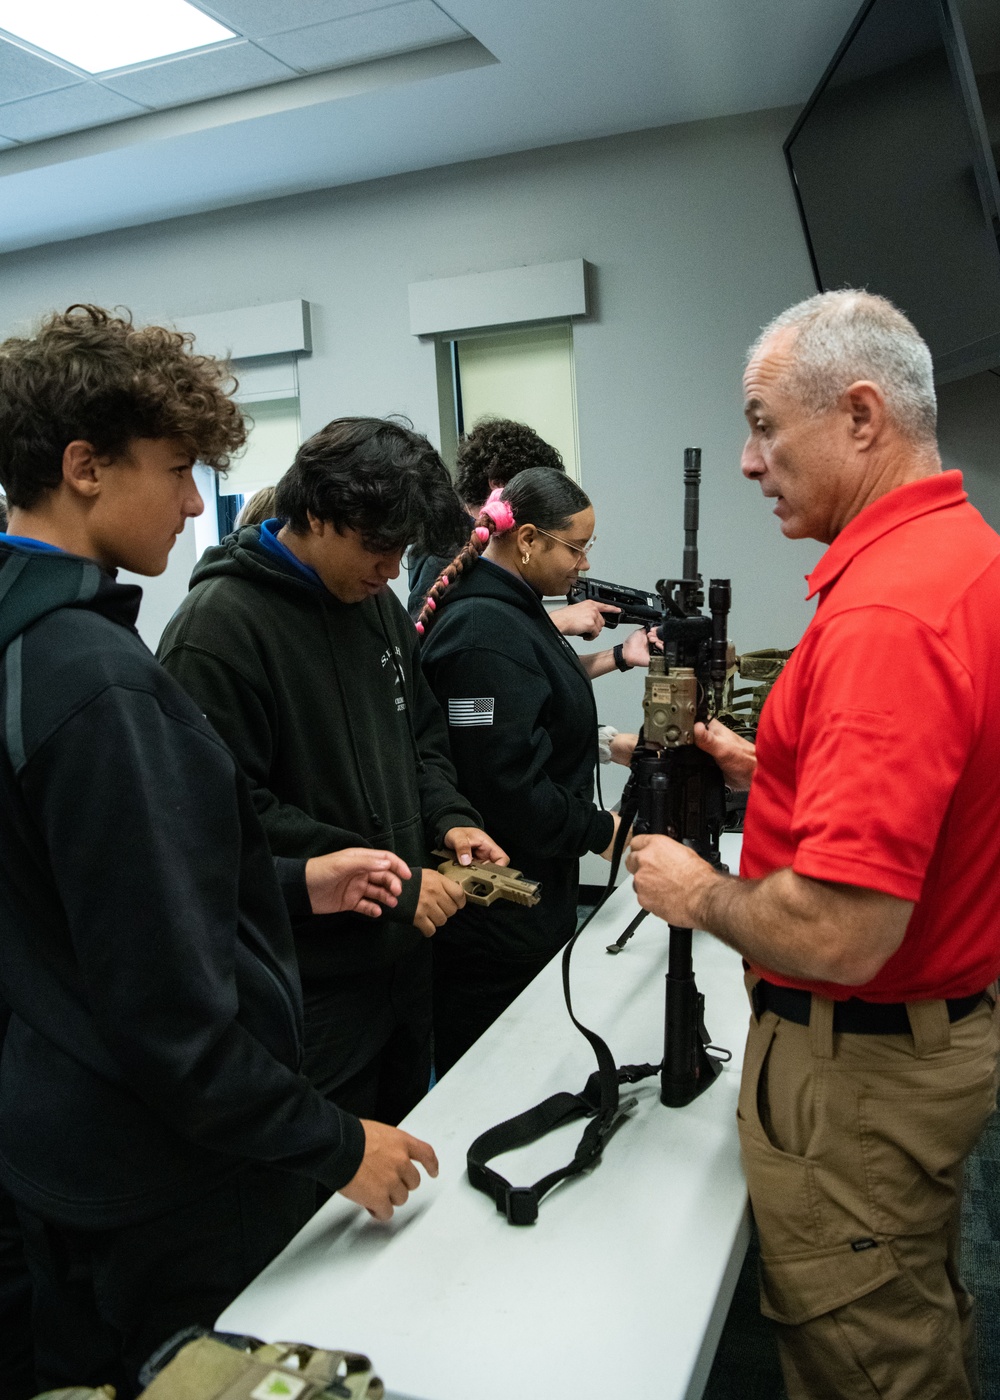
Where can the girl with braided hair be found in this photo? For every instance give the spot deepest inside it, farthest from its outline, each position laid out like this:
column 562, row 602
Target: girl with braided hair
column 488, row 457
column 523, row 731
column 494, row 453
column 495, row 515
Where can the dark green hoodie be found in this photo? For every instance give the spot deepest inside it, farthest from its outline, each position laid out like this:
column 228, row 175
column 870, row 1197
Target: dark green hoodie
column 326, row 710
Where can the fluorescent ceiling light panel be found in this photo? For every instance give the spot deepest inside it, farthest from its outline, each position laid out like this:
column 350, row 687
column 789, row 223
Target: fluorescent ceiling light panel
column 98, row 35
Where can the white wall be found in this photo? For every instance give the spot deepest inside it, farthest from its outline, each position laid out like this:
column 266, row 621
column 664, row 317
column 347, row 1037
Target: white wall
column 696, row 243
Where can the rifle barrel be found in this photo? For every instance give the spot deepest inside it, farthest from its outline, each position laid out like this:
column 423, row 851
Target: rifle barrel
column 692, row 479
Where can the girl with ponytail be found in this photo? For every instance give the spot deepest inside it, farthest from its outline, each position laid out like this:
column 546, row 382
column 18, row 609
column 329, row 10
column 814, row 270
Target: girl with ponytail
column 523, row 731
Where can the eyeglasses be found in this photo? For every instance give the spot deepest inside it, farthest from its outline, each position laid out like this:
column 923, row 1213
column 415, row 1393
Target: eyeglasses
column 573, row 548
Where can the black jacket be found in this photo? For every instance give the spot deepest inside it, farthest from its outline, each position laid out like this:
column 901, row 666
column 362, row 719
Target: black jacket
column 424, row 570
column 146, row 953
column 325, row 708
column 530, row 769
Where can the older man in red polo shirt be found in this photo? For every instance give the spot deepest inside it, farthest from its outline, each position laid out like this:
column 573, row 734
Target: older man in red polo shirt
column 866, row 907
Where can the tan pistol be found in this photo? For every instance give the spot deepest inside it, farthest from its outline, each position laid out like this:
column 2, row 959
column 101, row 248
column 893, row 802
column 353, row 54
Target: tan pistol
column 484, row 882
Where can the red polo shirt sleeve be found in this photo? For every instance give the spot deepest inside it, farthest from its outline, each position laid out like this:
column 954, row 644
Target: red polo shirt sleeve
column 885, row 732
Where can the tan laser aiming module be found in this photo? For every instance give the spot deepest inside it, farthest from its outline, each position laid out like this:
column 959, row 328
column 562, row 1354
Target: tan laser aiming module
column 670, row 705
column 484, row 882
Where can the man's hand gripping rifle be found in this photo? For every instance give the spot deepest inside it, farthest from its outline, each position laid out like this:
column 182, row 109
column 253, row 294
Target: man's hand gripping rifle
column 675, row 789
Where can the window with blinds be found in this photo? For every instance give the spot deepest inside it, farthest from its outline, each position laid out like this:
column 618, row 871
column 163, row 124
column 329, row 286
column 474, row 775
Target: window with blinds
column 269, row 393
column 271, row 445
column 525, row 374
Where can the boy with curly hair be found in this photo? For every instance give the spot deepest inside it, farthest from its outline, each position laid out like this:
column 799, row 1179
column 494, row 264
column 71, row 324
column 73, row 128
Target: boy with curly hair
column 156, row 1138
column 488, row 457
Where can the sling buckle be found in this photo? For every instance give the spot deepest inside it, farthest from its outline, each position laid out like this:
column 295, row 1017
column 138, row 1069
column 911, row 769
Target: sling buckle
column 518, row 1203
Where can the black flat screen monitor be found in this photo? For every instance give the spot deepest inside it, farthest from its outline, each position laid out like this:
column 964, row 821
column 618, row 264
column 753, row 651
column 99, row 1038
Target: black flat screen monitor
column 895, row 170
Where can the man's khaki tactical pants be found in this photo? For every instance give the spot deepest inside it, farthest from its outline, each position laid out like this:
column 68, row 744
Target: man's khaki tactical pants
column 853, row 1147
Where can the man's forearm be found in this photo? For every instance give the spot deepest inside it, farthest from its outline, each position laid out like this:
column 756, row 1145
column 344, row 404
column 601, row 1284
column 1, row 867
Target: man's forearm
column 763, row 920
column 803, row 928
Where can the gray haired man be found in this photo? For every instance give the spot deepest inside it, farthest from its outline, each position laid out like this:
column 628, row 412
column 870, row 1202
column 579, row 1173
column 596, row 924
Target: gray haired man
column 865, row 905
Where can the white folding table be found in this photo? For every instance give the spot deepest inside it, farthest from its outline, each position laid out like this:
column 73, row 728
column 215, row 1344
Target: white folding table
column 623, row 1284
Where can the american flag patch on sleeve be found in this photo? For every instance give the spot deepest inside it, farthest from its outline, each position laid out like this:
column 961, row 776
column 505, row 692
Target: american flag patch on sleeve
column 464, row 713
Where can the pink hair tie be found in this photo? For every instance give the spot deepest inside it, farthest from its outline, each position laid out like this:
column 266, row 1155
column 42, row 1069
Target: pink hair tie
column 420, row 629
column 499, row 511
column 431, row 604
column 481, row 533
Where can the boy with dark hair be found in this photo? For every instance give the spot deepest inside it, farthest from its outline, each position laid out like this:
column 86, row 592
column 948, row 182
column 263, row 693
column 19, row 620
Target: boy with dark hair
column 155, row 1134
column 307, row 665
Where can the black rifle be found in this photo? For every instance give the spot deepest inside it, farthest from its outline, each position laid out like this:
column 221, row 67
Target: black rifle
column 675, row 789
column 636, row 607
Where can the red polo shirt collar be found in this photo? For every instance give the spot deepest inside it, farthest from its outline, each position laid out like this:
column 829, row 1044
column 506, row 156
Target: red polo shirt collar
column 895, row 508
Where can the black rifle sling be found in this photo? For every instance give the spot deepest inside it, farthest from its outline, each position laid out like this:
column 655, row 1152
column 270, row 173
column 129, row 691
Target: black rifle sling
column 599, row 1099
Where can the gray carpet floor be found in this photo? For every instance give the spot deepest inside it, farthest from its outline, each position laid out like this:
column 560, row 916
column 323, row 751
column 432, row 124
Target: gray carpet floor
column 746, row 1364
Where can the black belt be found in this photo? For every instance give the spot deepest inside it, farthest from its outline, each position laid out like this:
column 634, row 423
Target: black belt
column 853, row 1016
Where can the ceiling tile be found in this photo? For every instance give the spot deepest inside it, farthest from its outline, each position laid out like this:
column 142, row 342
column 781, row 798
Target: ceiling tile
column 256, row 17
column 412, row 25
column 196, row 76
column 85, row 104
column 23, row 74
column 565, row 71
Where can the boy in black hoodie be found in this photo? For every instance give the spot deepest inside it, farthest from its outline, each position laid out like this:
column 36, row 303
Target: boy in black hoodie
column 155, row 1133
column 305, row 663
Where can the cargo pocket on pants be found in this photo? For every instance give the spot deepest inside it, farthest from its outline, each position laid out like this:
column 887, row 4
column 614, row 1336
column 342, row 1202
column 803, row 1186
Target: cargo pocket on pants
column 797, row 1288
column 856, row 1323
